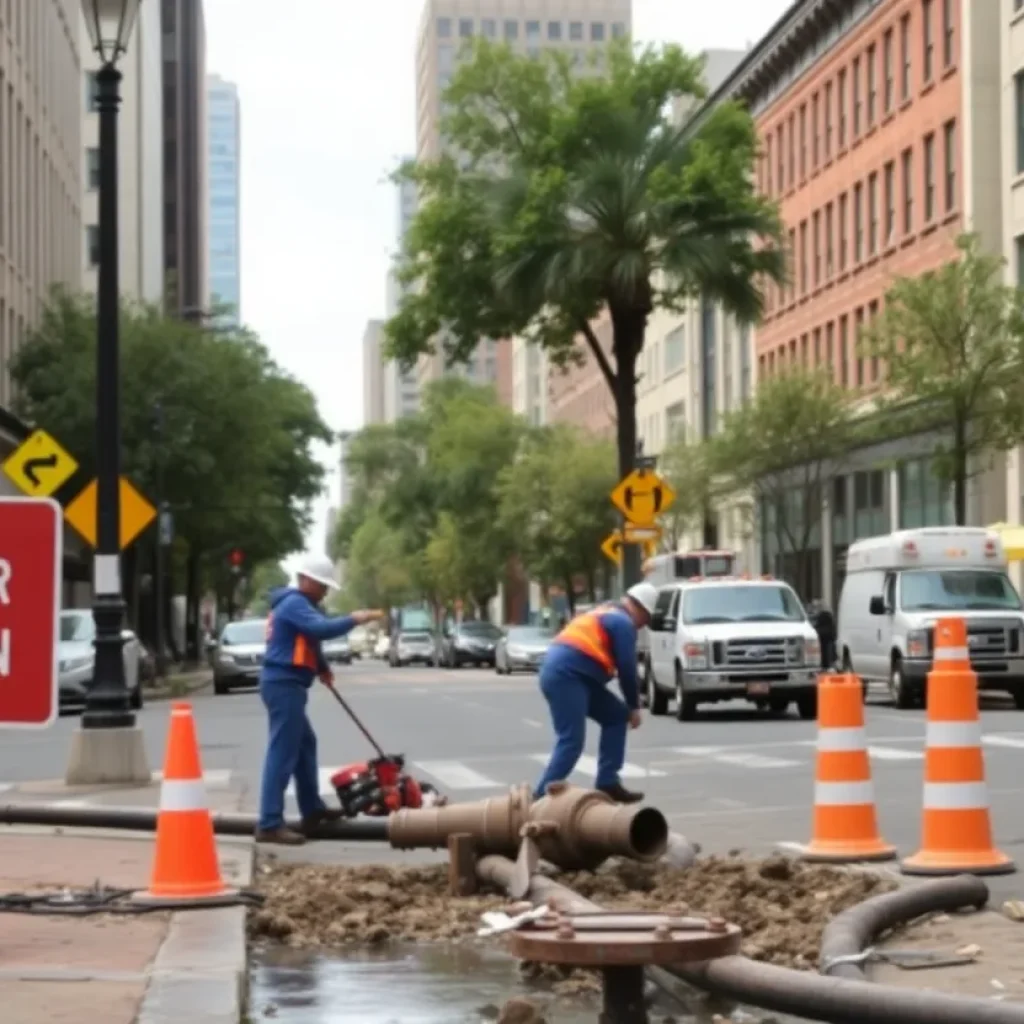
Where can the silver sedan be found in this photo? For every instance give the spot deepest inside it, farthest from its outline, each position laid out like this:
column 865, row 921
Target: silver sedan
column 522, row 649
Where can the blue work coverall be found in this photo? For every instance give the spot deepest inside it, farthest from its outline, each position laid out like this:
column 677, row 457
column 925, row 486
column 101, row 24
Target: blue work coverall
column 294, row 659
column 574, row 679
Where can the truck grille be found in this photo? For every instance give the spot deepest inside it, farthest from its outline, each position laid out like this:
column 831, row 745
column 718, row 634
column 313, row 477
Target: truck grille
column 249, row 660
column 752, row 653
column 986, row 641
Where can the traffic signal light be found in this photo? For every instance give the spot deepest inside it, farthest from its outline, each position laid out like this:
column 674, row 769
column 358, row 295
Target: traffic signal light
column 237, row 557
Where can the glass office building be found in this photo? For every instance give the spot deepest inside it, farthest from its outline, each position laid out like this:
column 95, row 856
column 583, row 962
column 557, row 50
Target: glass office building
column 224, row 157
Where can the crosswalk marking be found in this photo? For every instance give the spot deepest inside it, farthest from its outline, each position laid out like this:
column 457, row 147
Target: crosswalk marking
column 1013, row 742
column 587, row 765
column 895, row 754
column 743, row 759
column 456, row 775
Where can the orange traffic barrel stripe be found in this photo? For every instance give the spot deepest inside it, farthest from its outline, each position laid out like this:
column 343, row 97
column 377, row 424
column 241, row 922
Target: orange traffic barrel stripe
column 845, row 826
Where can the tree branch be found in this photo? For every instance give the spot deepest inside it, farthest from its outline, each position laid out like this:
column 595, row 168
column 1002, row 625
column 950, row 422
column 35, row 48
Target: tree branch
column 602, row 360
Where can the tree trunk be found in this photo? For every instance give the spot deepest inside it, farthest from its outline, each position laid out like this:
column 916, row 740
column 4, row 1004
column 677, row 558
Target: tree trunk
column 192, row 598
column 628, row 327
column 960, row 471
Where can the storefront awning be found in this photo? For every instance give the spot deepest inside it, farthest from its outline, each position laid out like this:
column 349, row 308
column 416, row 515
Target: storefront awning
column 1012, row 538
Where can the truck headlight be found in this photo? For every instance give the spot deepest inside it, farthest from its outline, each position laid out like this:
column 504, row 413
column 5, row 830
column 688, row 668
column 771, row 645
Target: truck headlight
column 917, row 643
column 812, row 652
column 695, row 655
column 226, row 659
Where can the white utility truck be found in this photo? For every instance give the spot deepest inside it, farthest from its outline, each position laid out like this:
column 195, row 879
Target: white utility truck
column 732, row 638
column 897, row 587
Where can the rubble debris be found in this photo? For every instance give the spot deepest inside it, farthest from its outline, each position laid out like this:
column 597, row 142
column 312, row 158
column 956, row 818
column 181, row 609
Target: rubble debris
column 521, row 1011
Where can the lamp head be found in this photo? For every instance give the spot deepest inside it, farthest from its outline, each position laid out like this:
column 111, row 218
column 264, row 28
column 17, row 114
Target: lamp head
column 110, row 24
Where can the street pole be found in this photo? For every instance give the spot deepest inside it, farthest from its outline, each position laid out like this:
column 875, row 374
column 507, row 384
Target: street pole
column 107, row 703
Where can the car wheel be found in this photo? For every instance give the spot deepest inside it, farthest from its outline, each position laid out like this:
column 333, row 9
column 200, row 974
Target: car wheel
column 778, row 706
column 686, row 704
column 807, row 705
column 135, row 700
column 220, row 687
column 657, row 700
column 1018, row 699
column 899, row 694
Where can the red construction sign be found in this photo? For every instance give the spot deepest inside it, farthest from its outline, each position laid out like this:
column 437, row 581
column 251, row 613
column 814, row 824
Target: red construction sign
column 31, row 548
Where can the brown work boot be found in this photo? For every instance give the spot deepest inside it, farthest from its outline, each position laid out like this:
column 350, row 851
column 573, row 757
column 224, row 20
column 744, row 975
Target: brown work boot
column 282, row 836
column 620, row 794
column 315, row 820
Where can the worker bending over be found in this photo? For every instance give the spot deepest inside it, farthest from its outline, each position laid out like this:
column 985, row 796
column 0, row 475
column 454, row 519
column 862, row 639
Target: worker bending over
column 582, row 659
column 294, row 658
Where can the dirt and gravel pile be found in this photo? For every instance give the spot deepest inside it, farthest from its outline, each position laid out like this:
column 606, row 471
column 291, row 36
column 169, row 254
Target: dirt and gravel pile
column 780, row 904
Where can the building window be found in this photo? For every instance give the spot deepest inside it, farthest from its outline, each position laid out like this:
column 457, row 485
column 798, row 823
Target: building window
column 709, row 405
column 92, row 171
column 928, row 41
column 872, row 214
column 675, row 350
column 465, row 27
column 792, row 264
column 597, row 31
column 948, row 30
column 792, row 150
column 829, row 266
column 618, row 30
column 872, row 314
column 768, row 164
column 803, row 141
column 929, row 177
column 858, row 328
column 843, row 231
column 890, row 202
column 889, row 86
column 781, row 177
column 949, row 144
column 1018, row 102
column 489, row 28
column 92, row 245
column 816, row 242
column 675, row 422
column 533, row 31
column 841, row 101
column 815, row 133
column 745, row 382
column 803, row 350
column 830, row 344
column 844, row 351
column 554, row 31
column 905, row 58
column 924, row 499
column 511, row 30
column 908, row 190
column 828, row 120
column 872, row 61
column 444, row 28
column 869, row 504
column 855, row 72
column 91, row 91
column 858, row 223
column 803, row 257
column 576, row 31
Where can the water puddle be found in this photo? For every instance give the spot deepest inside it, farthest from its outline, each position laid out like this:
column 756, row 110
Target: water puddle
column 400, row 985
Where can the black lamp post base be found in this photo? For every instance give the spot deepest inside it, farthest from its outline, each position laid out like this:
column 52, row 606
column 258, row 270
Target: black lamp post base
column 107, row 703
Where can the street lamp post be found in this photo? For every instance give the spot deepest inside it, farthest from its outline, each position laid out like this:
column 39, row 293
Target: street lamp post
column 101, row 756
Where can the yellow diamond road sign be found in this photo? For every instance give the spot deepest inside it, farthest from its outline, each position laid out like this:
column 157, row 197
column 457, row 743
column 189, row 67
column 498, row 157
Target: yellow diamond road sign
column 40, row 466
column 136, row 513
column 643, row 496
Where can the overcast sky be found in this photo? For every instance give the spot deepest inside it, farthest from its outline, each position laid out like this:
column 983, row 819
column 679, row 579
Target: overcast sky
column 328, row 108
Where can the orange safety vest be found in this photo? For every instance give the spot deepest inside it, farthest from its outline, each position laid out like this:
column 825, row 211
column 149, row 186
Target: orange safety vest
column 303, row 653
column 587, row 635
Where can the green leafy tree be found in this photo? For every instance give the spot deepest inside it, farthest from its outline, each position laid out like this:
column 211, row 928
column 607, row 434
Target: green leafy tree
column 782, row 450
column 554, row 500
column 262, row 580
column 565, row 195
column 376, row 572
column 687, row 468
column 234, row 442
column 952, row 344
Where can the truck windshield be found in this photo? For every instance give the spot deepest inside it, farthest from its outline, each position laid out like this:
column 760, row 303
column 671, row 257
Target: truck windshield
column 738, row 603
column 932, row 590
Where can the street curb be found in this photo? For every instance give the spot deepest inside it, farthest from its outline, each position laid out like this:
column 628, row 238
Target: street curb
column 188, row 688
column 201, row 971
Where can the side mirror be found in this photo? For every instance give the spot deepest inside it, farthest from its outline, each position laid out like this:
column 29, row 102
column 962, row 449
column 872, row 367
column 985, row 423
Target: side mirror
column 877, row 605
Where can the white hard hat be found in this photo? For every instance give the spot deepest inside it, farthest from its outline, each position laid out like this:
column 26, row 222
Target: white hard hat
column 645, row 595
column 318, row 568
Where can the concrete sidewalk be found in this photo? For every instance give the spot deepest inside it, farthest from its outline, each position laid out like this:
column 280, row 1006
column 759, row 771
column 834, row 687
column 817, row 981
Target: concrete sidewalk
column 156, row 968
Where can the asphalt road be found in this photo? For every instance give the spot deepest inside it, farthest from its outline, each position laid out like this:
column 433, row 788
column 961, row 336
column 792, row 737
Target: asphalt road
column 731, row 779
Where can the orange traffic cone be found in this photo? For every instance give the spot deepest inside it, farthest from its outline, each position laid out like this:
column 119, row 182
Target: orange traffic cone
column 845, row 825
column 185, row 865
column 956, row 835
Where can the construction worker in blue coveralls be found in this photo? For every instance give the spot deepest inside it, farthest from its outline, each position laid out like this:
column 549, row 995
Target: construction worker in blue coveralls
column 580, row 662
column 296, row 628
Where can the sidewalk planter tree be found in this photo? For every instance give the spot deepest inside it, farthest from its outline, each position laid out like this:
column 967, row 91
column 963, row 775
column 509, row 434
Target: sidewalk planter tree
column 563, row 195
column 952, row 344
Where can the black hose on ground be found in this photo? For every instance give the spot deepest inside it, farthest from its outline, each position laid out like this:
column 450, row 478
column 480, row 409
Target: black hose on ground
column 853, row 930
column 134, row 820
column 800, row 993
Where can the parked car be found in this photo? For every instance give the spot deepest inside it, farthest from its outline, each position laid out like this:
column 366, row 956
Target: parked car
column 411, row 647
column 522, row 649
column 337, row 651
column 382, row 647
column 238, row 655
column 360, row 642
column 469, row 643
column 76, row 660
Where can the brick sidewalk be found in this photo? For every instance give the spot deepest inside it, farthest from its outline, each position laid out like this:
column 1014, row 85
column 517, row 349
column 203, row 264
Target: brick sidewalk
column 159, row 968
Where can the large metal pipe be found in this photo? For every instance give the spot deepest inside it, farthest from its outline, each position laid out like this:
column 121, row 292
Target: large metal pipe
column 800, row 993
column 852, row 931
column 134, row 820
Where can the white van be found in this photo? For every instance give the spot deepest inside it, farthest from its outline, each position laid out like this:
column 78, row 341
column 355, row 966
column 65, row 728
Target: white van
column 728, row 639
column 899, row 585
